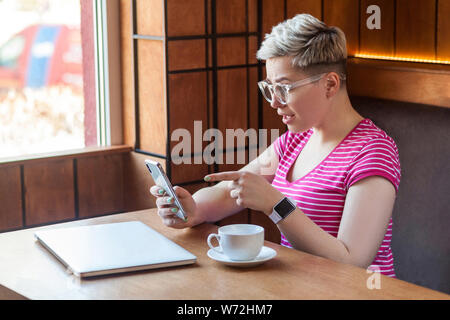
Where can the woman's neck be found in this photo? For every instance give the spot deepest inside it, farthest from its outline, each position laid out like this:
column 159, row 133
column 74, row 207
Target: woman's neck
column 338, row 122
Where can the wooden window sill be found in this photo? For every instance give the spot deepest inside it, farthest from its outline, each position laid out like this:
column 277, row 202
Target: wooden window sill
column 66, row 154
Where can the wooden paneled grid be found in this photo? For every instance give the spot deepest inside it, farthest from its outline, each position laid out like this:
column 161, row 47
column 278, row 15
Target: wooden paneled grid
column 207, row 67
column 195, row 60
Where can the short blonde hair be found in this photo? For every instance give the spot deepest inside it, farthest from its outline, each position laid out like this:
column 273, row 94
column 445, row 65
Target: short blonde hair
column 313, row 46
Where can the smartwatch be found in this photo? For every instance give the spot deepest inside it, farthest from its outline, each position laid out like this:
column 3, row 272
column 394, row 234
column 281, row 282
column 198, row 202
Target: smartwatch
column 282, row 209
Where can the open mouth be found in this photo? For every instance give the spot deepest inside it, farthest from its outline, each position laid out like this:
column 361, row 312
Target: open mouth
column 288, row 118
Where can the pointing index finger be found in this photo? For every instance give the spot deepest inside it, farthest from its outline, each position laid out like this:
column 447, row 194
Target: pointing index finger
column 223, row 176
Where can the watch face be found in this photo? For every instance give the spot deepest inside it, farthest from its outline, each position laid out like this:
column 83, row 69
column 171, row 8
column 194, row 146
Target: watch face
column 284, row 208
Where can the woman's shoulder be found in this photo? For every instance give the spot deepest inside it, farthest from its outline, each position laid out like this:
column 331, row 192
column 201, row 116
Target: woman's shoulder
column 370, row 143
column 368, row 133
column 374, row 152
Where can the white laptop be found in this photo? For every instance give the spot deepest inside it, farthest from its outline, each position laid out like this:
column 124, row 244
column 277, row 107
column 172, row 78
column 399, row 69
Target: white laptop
column 112, row 248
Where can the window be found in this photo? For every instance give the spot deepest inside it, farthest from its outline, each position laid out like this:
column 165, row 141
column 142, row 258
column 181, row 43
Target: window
column 42, row 102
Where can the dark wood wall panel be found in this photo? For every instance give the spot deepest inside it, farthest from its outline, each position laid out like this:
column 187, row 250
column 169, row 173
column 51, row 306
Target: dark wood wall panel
column 232, row 99
column 208, row 17
column 272, row 14
column 252, row 15
column 443, row 30
column 186, row 19
column 186, row 54
column 345, row 15
column 188, row 103
column 152, row 96
column 210, row 98
column 49, row 192
column 10, row 198
column 210, row 55
column 253, row 93
column 231, row 51
column 185, row 172
column 100, row 185
column 234, row 157
column 252, row 49
column 415, row 28
column 378, row 41
column 313, row 7
column 231, row 16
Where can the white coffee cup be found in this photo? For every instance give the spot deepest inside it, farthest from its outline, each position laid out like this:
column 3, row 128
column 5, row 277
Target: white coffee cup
column 239, row 242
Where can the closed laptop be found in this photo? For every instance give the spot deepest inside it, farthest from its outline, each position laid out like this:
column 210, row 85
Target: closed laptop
column 112, row 248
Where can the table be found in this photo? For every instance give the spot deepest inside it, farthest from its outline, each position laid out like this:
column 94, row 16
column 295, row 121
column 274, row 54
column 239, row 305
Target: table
column 29, row 271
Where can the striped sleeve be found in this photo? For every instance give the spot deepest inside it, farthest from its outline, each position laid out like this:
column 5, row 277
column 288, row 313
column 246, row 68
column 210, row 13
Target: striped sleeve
column 280, row 144
column 379, row 157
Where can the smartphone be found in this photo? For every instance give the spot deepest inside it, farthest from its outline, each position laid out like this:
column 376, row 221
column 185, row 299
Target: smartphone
column 160, row 178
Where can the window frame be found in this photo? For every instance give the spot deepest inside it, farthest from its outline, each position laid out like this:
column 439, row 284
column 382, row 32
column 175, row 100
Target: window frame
column 108, row 88
column 108, row 72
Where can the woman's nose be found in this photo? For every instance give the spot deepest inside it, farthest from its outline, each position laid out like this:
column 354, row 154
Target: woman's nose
column 275, row 103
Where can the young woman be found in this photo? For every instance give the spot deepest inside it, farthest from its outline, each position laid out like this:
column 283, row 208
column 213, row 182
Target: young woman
column 333, row 188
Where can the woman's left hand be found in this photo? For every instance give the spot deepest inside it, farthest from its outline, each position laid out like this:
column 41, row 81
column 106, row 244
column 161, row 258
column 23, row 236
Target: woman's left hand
column 249, row 189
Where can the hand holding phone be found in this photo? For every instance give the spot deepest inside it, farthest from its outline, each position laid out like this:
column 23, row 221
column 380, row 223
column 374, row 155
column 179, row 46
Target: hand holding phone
column 161, row 179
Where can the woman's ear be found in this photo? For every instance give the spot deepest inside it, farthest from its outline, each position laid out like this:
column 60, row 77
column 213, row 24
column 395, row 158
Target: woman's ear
column 332, row 84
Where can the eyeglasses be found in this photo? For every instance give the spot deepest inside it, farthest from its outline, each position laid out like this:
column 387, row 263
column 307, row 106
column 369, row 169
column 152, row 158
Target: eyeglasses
column 281, row 90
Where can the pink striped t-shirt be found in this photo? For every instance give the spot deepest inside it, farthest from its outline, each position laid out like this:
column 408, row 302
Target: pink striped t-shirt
column 365, row 151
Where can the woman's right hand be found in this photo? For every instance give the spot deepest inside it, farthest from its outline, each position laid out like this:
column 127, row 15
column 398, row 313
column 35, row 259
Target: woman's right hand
column 167, row 209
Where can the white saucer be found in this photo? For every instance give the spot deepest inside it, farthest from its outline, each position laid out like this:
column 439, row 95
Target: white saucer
column 265, row 255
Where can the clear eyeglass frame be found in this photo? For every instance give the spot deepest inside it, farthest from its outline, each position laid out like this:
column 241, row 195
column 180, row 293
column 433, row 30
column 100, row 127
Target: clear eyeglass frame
column 281, row 90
